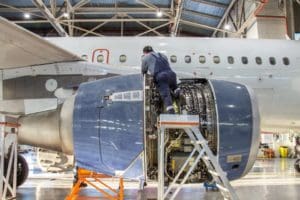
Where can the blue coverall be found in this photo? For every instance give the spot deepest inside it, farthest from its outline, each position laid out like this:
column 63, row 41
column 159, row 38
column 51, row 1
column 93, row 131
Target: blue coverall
column 165, row 79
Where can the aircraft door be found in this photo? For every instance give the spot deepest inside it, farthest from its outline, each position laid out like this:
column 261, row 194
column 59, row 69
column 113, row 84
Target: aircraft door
column 100, row 56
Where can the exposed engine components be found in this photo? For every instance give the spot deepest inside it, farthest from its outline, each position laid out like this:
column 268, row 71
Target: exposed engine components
column 195, row 98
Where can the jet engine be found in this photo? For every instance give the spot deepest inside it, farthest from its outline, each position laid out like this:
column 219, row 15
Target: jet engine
column 111, row 127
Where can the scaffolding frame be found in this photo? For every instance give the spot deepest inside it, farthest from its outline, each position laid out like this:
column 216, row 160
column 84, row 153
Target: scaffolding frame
column 8, row 160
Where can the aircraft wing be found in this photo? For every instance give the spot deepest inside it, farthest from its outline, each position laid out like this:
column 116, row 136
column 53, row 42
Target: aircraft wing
column 21, row 48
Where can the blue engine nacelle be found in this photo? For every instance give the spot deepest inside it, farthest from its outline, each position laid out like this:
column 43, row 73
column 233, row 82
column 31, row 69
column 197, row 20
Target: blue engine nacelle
column 111, row 126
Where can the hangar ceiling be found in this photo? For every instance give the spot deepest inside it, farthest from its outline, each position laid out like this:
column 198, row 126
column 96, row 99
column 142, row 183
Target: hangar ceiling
column 120, row 17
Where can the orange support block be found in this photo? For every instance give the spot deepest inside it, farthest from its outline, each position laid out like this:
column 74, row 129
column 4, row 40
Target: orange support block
column 92, row 178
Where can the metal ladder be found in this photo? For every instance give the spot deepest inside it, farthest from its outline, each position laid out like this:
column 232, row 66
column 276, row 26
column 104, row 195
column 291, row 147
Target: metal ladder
column 8, row 155
column 201, row 150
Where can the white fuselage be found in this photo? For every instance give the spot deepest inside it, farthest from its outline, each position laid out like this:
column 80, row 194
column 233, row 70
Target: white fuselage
column 277, row 85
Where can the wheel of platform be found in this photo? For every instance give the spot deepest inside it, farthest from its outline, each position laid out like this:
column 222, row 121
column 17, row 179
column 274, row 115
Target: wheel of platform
column 22, row 170
column 297, row 165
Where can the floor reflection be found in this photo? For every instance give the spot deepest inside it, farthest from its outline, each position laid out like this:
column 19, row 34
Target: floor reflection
column 268, row 180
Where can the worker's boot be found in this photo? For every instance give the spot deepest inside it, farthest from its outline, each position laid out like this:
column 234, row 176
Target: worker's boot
column 177, row 93
column 171, row 111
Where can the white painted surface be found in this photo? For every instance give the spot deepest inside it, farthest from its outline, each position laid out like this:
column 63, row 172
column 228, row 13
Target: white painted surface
column 277, row 86
column 27, row 106
column 20, row 48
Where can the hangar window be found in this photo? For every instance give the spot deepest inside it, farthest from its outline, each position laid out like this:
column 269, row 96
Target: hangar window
column 245, row 60
column 122, row 58
column 258, row 60
column 272, row 61
column 230, row 59
column 286, row 61
column 187, row 59
column 100, row 58
column 173, row 59
column 85, row 57
column 202, row 59
column 216, row 59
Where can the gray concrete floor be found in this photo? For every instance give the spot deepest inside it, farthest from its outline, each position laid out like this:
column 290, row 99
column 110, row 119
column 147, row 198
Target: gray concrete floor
column 268, row 180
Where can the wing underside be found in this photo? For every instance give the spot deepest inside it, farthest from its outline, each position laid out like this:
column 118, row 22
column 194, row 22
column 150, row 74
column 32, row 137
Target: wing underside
column 21, row 48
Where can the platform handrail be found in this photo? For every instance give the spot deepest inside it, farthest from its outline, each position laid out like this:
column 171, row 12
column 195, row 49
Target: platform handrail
column 190, row 124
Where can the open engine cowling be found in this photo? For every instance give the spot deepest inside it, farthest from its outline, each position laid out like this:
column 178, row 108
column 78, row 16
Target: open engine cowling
column 111, row 128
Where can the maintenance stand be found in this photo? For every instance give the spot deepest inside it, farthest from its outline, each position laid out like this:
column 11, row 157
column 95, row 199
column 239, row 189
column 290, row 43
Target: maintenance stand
column 201, row 150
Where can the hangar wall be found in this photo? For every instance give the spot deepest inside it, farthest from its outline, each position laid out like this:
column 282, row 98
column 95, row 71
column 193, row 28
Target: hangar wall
column 271, row 21
column 297, row 17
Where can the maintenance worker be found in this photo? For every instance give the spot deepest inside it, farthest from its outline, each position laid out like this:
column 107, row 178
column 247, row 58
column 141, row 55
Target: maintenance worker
column 164, row 78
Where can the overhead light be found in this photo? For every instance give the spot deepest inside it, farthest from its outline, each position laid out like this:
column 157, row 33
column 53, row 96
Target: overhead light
column 66, row 15
column 159, row 13
column 27, row 16
column 227, row 27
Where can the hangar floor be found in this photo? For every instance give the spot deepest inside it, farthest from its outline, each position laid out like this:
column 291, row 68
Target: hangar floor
column 268, row 180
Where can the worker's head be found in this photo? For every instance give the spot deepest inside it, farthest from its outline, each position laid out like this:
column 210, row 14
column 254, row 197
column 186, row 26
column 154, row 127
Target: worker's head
column 147, row 49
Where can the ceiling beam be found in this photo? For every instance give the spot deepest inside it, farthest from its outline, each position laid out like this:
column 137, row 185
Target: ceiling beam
column 158, row 27
column 93, row 20
column 53, row 7
column 144, row 25
column 46, row 12
column 83, row 29
column 76, row 6
column 203, row 26
column 96, row 27
column 90, row 10
column 200, row 14
column 174, row 29
column 22, row 10
column 71, row 16
column 251, row 18
column 212, row 3
column 153, row 7
column 224, row 16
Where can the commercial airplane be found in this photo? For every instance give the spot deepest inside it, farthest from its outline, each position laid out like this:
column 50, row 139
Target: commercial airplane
column 270, row 67
column 273, row 75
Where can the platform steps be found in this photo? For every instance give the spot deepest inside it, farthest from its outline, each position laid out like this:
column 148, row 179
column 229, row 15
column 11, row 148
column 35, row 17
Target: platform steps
column 200, row 151
column 212, row 164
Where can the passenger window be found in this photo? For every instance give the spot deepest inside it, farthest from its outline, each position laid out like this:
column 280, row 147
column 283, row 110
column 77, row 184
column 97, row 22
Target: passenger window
column 187, row 59
column 230, row 59
column 258, row 60
column 85, row 57
column 216, row 59
column 244, row 60
column 100, row 58
column 202, row 59
column 272, row 61
column 173, row 59
column 122, row 58
column 286, row 61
